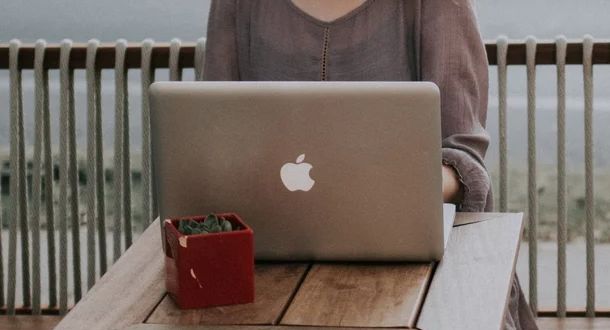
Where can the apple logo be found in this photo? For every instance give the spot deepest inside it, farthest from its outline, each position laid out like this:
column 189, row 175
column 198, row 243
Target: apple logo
column 296, row 176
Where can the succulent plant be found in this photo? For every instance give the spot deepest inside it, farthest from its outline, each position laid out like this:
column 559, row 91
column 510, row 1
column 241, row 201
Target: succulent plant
column 211, row 224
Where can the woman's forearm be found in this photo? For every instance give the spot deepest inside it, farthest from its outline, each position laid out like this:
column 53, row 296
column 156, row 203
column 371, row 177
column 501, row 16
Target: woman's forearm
column 453, row 192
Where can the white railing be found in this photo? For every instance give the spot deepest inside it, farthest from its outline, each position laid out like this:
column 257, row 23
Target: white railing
column 33, row 191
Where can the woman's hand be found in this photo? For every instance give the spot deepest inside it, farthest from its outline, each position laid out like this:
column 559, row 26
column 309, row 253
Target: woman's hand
column 453, row 192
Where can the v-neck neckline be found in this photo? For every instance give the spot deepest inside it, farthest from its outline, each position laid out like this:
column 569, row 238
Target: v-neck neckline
column 337, row 20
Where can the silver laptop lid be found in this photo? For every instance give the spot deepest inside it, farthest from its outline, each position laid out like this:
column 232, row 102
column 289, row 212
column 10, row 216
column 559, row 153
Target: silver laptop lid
column 320, row 170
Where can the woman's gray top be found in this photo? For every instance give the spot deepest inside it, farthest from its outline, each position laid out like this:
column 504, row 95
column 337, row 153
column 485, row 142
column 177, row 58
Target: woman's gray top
column 381, row 40
column 434, row 41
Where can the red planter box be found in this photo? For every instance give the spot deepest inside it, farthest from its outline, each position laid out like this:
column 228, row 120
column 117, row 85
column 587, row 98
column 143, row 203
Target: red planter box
column 210, row 269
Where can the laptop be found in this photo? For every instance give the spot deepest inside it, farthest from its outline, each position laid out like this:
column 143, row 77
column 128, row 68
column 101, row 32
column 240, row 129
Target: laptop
column 341, row 171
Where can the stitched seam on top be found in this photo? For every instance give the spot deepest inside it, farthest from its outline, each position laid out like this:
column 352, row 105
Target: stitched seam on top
column 325, row 54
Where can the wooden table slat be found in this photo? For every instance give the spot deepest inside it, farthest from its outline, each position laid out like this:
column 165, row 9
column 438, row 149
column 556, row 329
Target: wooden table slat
column 127, row 293
column 384, row 295
column 472, row 282
column 275, row 286
column 462, row 219
column 237, row 327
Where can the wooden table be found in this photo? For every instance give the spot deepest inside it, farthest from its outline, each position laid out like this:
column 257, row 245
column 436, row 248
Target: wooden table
column 468, row 289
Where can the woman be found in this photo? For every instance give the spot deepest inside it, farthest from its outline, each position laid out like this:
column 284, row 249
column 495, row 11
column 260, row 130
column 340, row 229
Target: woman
column 374, row 40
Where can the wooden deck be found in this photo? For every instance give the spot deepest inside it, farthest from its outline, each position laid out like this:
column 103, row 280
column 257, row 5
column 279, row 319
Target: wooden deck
column 28, row 322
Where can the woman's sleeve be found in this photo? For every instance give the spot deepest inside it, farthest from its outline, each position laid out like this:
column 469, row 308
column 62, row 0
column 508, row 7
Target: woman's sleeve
column 221, row 44
column 453, row 56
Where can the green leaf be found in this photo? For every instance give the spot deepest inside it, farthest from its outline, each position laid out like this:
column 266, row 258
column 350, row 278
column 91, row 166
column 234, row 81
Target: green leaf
column 216, row 229
column 204, row 226
column 182, row 226
column 188, row 231
column 226, row 225
column 193, row 224
column 211, row 220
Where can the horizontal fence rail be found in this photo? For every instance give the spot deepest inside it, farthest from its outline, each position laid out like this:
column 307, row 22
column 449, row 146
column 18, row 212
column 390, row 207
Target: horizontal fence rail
column 516, row 54
column 93, row 57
